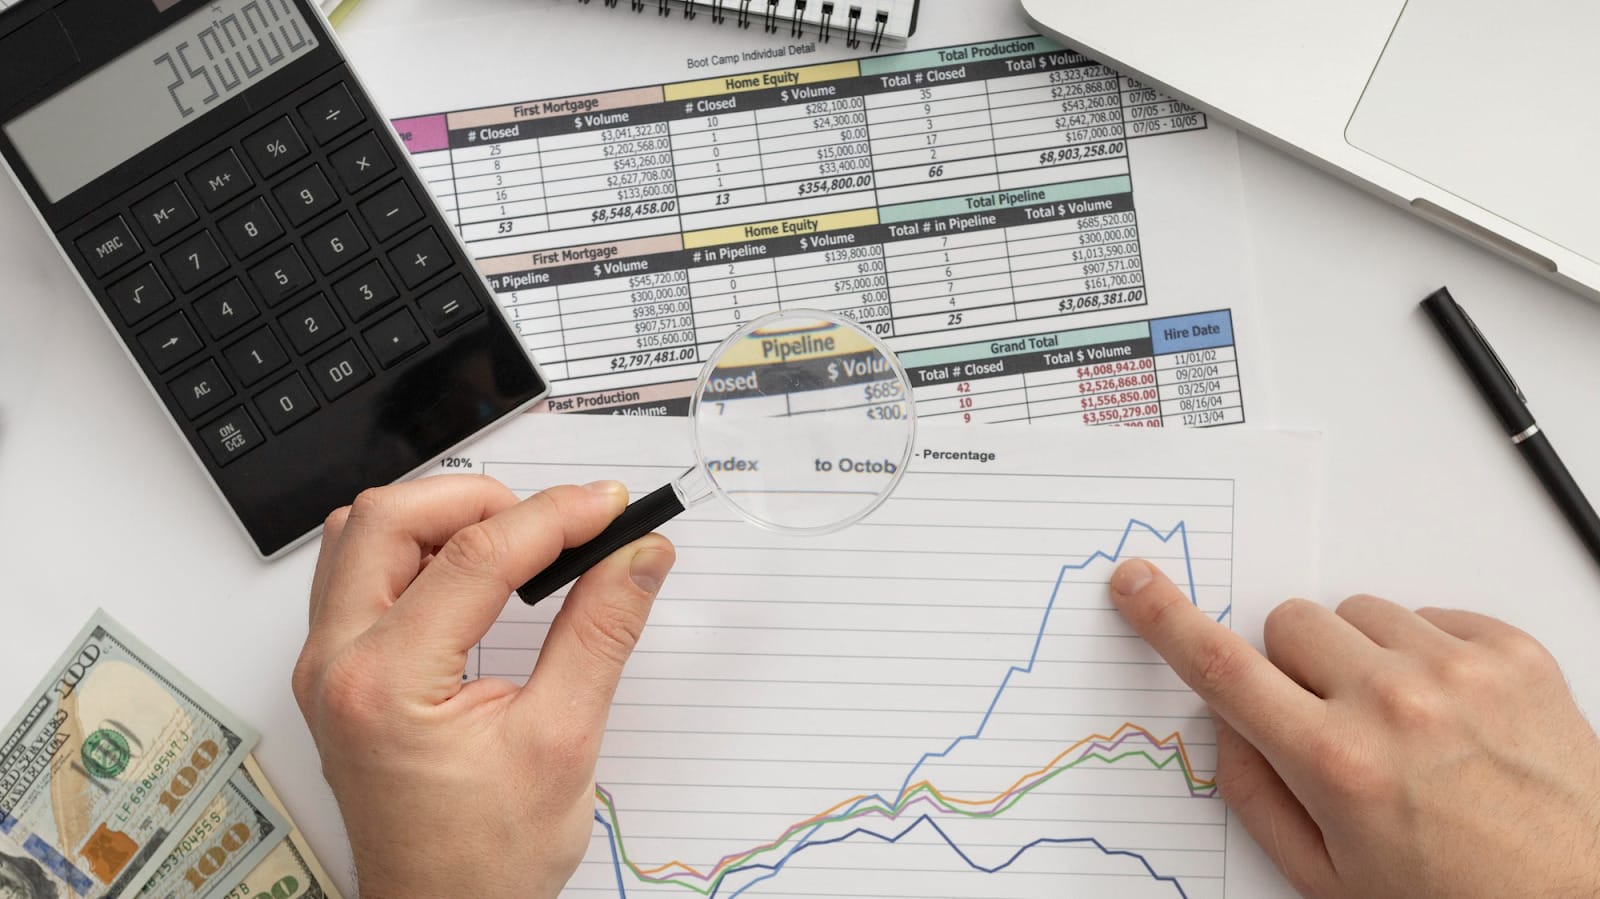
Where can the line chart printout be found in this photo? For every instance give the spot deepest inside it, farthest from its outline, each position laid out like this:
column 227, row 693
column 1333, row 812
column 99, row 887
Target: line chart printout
column 939, row 701
column 986, row 197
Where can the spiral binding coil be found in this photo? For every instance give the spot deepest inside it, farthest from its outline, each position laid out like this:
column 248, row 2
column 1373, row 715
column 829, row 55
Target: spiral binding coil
column 766, row 13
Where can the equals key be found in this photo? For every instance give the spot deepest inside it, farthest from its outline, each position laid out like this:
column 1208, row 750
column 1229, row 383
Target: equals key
column 391, row 211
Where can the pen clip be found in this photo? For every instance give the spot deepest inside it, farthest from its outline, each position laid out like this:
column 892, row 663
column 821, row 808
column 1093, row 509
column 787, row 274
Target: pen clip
column 1483, row 342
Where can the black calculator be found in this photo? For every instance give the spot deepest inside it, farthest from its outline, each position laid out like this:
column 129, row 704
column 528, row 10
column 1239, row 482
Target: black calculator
column 257, row 237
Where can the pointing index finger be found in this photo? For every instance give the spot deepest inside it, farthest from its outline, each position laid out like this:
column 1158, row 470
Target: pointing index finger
column 1239, row 684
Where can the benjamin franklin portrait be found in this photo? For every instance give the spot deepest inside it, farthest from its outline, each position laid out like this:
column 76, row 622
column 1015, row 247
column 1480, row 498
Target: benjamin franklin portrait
column 23, row 878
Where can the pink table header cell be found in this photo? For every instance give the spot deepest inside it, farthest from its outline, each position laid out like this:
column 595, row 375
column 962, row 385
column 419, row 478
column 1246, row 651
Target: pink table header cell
column 424, row 134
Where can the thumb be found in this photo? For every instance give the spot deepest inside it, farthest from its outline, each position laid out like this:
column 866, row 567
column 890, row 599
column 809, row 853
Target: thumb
column 591, row 639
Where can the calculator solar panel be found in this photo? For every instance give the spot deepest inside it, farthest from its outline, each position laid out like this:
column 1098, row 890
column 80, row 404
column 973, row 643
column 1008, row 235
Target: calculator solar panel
column 256, row 236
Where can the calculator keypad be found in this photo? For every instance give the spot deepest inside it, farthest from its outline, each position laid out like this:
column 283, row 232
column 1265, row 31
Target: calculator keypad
column 280, row 273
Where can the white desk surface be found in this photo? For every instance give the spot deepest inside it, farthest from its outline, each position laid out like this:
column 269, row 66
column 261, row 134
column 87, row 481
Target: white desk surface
column 1424, row 500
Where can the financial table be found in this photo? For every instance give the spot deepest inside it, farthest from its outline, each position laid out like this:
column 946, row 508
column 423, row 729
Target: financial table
column 969, row 192
column 1179, row 371
column 1170, row 372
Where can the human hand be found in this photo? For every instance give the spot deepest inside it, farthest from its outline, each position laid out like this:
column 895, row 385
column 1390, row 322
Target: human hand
column 475, row 789
column 1382, row 752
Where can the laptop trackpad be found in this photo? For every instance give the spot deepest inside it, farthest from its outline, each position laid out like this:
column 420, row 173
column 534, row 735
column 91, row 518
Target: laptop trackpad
column 1495, row 103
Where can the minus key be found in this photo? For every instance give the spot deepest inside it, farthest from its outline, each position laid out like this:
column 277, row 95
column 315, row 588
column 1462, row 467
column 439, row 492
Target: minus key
column 391, row 211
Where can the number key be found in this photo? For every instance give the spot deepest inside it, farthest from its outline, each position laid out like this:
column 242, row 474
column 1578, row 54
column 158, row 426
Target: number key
column 336, row 243
column 310, row 324
column 285, row 404
column 368, row 289
column 281, row 276
column 305, row 196
column 341, row 371
column 225, row 309
column 256, row 356
column 251, row 228
column 195, row 261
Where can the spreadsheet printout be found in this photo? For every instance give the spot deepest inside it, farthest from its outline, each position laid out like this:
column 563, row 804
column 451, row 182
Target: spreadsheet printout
column 940, row 700
column 1036, row 235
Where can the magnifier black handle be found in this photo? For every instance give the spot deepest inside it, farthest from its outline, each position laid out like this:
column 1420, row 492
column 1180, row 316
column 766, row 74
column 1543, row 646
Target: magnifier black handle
column 641, row 517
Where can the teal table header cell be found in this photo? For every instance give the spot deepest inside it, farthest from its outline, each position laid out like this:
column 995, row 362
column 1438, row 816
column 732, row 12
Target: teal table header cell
column 931, row 59
column 1007, row 199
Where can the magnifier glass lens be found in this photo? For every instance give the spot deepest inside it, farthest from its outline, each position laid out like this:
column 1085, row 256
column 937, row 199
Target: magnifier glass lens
column 803, row 421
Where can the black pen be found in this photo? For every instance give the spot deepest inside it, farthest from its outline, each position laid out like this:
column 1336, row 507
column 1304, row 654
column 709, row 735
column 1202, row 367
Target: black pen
column 1503, row 395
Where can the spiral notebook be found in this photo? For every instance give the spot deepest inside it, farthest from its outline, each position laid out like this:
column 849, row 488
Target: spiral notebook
column 869, row 23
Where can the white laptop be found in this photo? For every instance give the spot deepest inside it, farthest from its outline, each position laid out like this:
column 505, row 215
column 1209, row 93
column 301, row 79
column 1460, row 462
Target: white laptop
column 1482, row 115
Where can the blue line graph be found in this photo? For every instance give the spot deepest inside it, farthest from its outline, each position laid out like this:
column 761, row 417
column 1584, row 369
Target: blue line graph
column 976, row 866
column 1179, row 531
column 804, row 842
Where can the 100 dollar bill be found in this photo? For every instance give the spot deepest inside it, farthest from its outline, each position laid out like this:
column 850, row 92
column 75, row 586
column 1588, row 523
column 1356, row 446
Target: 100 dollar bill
column 235, row 833
column 290, row 871
column 111, row 762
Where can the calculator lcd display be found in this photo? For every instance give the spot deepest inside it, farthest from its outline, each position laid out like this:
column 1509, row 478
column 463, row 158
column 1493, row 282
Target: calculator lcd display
column 132, row 102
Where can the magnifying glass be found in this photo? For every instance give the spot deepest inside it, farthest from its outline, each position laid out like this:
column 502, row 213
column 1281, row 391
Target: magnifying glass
column 802, row 423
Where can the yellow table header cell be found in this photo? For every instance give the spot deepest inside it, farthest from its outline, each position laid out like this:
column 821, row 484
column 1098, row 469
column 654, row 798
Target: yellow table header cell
column 799, row 227
column 760, row 81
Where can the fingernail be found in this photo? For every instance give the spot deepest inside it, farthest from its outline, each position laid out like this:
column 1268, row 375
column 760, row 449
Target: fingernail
column 649, row 569
column 608, row 489
column 1131, row 577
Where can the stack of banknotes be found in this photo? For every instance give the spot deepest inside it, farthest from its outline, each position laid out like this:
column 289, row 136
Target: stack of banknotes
column 120, row 777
